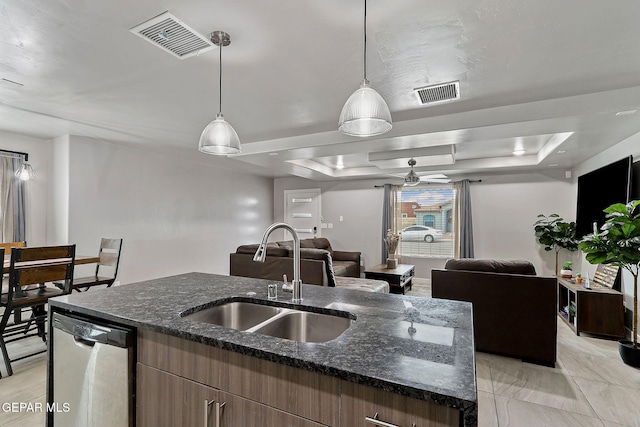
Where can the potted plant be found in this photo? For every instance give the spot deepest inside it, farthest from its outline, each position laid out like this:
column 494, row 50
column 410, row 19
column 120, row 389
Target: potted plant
column 578, row 278
column 555, row 234
column 566, row 271
column 618, row 243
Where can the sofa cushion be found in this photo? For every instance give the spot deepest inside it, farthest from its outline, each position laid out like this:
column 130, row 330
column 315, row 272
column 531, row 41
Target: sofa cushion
column 345, row 268
column 304, row 243
column 491, row 266
column 368, row 285
column 322, row 243
column 272, row 249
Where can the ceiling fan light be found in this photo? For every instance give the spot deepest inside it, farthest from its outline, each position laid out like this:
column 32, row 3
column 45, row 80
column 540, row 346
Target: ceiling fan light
column 365, row 113
column 219, row 137
column 412, row 179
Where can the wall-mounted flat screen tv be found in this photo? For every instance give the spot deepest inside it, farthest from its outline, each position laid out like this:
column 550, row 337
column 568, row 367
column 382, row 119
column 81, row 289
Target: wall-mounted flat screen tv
column 599, row 189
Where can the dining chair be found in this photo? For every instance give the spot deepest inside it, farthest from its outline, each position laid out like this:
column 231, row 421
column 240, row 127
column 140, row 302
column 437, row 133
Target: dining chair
column 106, row 268
column 32, row 267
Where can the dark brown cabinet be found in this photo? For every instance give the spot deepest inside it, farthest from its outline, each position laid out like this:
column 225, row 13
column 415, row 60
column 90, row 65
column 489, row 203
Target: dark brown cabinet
column 597, row 311
column 184, row 383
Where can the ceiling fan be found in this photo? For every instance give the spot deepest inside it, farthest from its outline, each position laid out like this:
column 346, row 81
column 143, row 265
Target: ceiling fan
column 413, row 179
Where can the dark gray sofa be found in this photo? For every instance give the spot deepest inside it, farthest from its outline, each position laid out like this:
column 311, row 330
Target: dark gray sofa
column 319, row 265
column 514, row 310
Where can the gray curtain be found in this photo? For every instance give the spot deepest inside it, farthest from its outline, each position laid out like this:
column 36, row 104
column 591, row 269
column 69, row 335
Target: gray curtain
column 19, row 206
column 387, row 218
column 12, row 200
column 463, row 220
column 391, row 216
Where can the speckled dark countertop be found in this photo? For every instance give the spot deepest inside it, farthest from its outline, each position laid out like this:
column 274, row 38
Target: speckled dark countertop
column 434, row 363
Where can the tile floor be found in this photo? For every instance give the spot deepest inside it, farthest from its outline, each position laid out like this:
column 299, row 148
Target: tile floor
column 590, row 386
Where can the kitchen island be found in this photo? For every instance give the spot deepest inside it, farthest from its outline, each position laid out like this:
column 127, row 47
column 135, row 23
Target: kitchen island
column 401, row 353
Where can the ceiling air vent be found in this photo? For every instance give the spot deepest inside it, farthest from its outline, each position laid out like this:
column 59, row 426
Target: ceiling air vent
column 172, row 35
column 438, row 93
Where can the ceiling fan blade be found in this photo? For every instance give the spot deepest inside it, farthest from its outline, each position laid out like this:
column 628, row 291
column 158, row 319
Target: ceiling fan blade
column 434, row 176
column 435, row 180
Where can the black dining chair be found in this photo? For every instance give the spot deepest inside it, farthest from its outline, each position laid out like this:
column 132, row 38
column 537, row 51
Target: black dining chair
column 25, row 298
column 106, row 269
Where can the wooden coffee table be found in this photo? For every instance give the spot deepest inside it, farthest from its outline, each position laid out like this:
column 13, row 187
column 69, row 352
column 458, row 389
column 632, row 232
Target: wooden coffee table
column 399, row 278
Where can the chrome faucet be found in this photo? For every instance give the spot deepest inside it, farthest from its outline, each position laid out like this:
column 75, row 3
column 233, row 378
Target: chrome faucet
column 261, row 254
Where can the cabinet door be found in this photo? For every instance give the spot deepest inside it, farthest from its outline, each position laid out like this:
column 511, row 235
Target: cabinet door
column 360, row 404
column 165, row 399
column 238, row 411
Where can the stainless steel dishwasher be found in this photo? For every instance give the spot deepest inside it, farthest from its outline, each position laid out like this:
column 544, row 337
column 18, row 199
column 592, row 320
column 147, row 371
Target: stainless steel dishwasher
column 92, row 381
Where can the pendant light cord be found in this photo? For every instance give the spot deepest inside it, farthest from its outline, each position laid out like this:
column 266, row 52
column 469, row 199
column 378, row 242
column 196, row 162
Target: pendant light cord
column 220, row 92
column 365, row 40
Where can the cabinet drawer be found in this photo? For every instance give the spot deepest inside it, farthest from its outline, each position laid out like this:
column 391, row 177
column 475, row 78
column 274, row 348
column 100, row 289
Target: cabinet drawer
column 165, row 399
column 297, row 391
column 238, row 411
column 361, row 402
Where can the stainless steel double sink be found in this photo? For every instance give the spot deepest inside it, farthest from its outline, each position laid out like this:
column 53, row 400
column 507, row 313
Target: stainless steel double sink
column 275, row 320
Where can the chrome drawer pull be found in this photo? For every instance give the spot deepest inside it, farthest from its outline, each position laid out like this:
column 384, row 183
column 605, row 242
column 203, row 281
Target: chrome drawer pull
column 377, row 422
column 206, row 411
column 219, row 407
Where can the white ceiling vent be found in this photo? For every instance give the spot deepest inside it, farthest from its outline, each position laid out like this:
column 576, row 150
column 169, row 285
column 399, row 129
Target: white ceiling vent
column 438, row 93
column 172, row 35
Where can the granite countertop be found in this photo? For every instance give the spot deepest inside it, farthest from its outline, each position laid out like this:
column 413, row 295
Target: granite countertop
column 435, row 362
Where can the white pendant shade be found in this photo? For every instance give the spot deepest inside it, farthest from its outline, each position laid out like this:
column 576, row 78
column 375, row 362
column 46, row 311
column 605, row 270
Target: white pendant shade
column 365, row 113
column 219, row 137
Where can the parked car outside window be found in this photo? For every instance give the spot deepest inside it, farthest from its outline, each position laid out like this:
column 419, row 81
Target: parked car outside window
column 421, row 233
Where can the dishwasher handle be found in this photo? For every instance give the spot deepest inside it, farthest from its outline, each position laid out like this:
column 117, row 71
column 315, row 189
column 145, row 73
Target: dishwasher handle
column 89, row 332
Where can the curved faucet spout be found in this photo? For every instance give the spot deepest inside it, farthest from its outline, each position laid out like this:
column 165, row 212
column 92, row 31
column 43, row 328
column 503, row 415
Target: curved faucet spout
column 261, row 254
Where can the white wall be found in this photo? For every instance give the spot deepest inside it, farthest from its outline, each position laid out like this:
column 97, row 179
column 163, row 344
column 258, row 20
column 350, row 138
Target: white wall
column 39, row 151
column 504, row 210
column 174, row 216
column 58, row 202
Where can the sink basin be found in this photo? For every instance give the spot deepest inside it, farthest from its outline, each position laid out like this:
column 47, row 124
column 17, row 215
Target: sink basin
column 237, row 315
column 280, row 322
column 305, row 326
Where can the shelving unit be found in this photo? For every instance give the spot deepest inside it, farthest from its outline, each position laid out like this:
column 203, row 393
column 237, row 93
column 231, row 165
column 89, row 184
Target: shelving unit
column 596, row 311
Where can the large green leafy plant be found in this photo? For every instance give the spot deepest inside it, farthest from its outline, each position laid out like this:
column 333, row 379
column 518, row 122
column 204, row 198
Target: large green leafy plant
column 556, row 234
column 618, row 243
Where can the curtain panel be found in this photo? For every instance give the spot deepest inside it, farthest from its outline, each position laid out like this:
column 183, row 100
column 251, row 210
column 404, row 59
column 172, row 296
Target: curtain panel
column 12, row 200
column 463, row 245
column 391, row 216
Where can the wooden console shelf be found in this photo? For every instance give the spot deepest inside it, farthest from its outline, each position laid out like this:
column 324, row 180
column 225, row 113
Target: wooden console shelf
column 597, row 311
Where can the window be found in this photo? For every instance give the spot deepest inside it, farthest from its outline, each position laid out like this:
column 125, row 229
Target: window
column 430, row 232
column 430, row 220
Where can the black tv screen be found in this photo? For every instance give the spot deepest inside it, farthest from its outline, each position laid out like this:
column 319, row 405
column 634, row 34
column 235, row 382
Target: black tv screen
column 635, row 181
column 599, row 189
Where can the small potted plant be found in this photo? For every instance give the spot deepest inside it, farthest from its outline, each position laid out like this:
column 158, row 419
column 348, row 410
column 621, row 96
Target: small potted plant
column 566, row 271
column 618, row 243
column 578, row 278
column 555, row 234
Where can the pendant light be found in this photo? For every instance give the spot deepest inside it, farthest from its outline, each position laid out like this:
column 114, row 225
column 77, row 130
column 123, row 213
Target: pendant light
column 25, row 173
column 365, row 113
column 219, row 137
